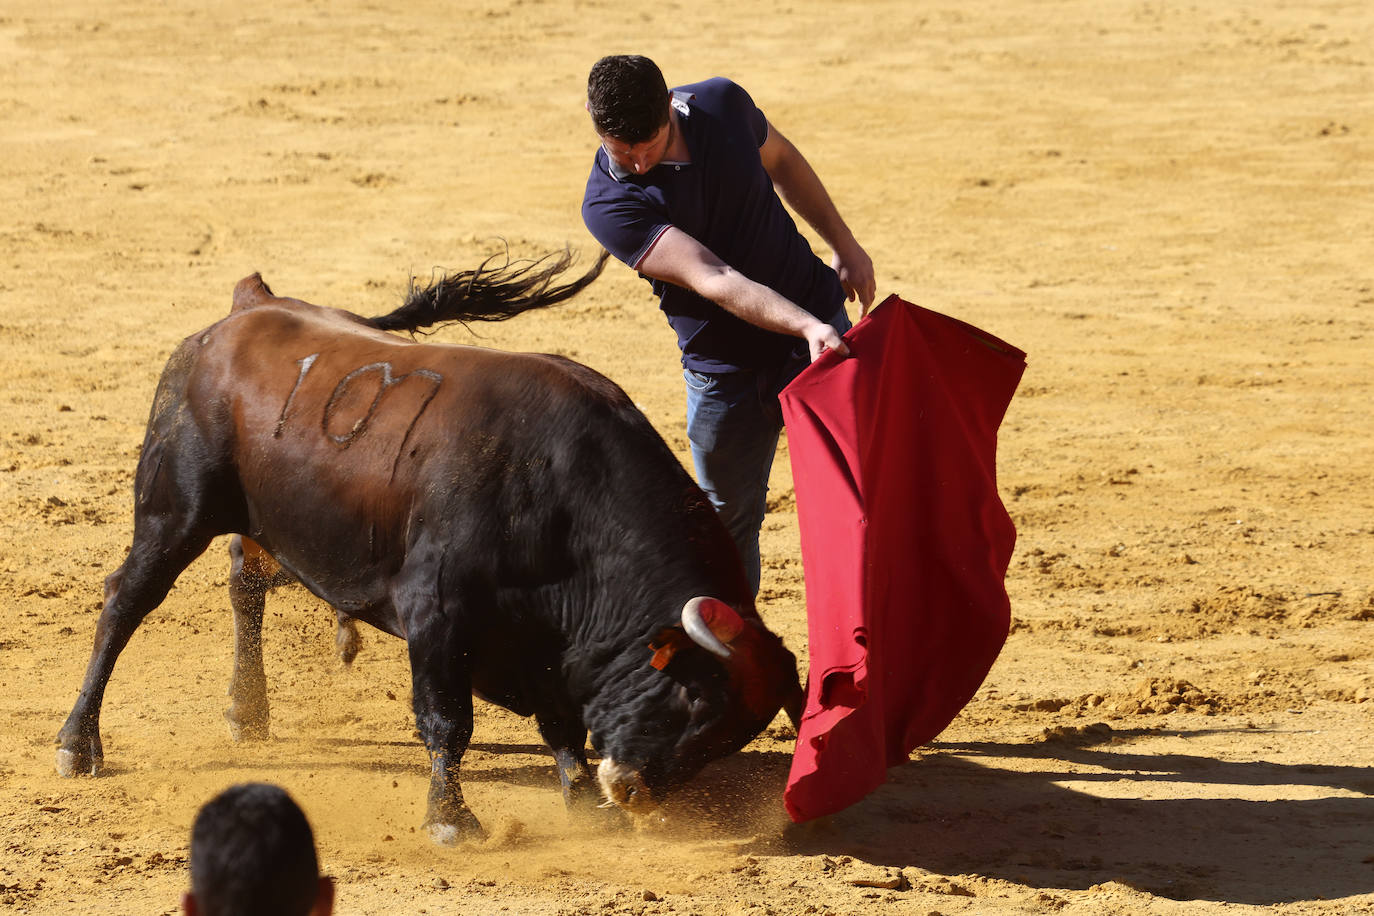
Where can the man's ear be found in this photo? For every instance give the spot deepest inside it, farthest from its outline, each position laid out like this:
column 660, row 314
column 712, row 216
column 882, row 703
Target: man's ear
column 188, row 903
column 324, row 897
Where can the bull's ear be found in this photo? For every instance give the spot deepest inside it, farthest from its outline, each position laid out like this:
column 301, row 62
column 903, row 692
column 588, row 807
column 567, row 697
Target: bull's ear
column 665, row 646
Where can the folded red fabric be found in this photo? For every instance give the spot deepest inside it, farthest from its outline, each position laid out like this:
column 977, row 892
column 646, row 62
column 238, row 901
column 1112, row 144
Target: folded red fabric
column 905, row 541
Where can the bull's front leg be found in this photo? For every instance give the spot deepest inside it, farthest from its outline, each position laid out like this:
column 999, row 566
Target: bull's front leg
column 562, row 728
column 580, row 791
column 442, row 688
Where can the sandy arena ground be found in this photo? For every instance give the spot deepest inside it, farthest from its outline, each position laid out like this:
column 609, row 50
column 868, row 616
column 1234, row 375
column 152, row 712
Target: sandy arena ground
column 1169, row 206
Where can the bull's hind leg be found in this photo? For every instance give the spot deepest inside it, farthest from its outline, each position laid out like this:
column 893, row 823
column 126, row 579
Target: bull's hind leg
column 346, row 639
column 174, row 515
column 163, row 547
column 252, row 574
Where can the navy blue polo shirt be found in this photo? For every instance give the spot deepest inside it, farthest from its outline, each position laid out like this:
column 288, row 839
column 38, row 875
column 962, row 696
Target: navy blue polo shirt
column 725, row 200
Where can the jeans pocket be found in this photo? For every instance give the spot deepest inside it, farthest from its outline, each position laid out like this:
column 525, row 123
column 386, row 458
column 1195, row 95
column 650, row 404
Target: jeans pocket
column 698, row 381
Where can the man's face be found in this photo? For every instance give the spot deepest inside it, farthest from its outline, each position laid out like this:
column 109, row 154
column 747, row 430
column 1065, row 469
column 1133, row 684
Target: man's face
column 638, row 158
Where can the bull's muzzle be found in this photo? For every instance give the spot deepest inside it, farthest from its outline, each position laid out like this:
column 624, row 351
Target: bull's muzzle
column 624, row 787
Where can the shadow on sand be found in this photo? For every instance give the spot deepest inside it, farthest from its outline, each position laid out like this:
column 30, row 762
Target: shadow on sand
column 1004, row 811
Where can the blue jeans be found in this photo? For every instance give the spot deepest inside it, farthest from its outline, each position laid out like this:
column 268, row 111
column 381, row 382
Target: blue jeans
column 733, row 423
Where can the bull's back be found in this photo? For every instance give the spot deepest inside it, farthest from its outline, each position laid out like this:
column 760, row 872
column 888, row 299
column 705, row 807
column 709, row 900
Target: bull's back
column 350, row 444
column 315, row 386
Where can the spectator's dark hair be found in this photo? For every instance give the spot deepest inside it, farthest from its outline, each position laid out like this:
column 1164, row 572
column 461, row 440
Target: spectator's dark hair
column 252, row 852
column 627, row 97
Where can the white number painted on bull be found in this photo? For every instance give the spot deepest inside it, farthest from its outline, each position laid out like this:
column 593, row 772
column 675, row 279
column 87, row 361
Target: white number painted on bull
column 305, row 363
column 387, row 381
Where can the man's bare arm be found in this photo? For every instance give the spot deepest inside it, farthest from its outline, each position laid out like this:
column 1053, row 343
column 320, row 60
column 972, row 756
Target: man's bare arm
column 799, row 185
column 681, row 260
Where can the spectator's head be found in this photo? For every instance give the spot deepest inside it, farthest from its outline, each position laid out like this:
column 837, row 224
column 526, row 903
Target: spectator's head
column 627, row 98
column 252, row 852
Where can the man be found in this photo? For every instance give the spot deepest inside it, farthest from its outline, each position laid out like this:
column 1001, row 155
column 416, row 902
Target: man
column 253, row 854
column 685, row 189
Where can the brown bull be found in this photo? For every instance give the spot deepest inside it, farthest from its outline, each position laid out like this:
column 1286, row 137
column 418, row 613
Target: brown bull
column 512, row 516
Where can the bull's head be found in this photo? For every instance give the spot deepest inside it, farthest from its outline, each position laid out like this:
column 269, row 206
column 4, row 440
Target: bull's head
column 720, row 679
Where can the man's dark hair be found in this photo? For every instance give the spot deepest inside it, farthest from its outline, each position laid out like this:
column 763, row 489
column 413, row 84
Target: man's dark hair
column 627, row 97
column 252, row 852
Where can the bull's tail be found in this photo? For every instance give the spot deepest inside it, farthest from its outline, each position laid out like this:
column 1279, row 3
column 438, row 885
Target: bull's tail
column 494, row 290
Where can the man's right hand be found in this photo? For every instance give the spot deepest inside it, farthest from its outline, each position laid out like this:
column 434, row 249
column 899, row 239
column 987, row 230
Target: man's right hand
column 821, row 337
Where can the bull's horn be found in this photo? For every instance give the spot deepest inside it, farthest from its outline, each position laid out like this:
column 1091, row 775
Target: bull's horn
column 708, row 621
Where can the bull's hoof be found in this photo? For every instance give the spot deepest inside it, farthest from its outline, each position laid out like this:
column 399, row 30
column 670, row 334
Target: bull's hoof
column 77, row 763
column 252, row 729
column 454, row 834
column 347, row 642
column 463, row 827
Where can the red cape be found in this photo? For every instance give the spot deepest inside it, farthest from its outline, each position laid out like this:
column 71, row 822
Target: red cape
column 904, row 539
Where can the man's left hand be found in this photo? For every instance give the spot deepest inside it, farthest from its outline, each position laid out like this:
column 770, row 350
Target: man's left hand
column 855, row 269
